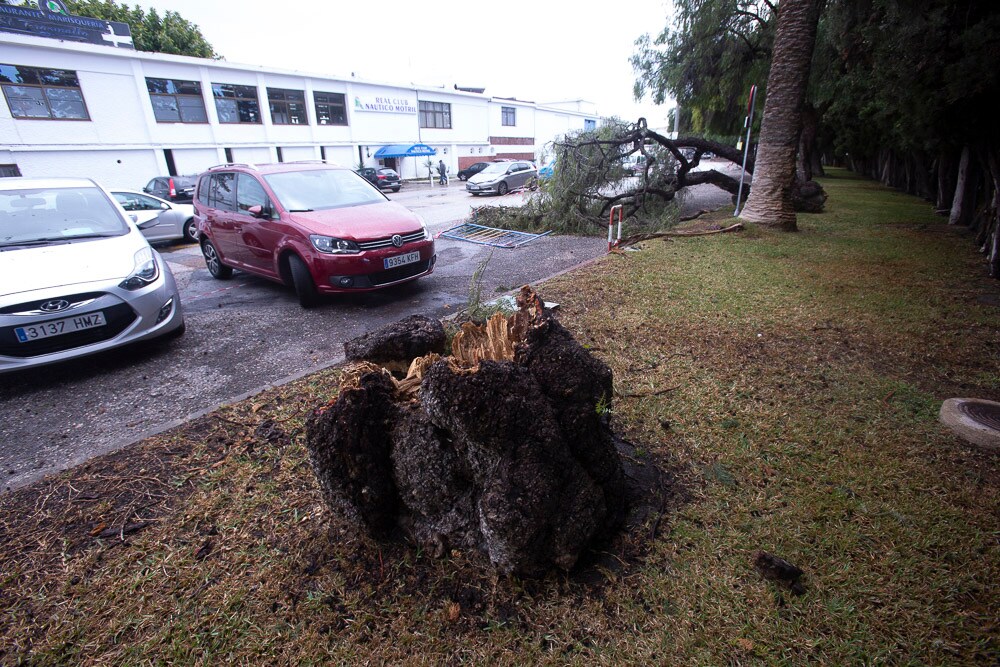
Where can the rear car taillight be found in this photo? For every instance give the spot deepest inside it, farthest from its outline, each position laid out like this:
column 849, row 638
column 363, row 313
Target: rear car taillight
column 381, row 177
column 173, row 190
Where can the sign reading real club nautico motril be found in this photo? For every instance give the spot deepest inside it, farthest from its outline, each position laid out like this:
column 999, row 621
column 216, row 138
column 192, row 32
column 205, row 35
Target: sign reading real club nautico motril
column 384, row 104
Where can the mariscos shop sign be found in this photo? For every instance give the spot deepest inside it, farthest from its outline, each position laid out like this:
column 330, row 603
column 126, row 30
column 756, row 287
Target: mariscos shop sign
column 384, row 104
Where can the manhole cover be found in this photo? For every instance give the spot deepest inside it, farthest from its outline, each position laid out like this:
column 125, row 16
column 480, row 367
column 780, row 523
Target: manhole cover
column 976, row 420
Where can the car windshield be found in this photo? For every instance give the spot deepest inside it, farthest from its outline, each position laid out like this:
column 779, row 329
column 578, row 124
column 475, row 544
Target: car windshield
column 496, row 168
column 320, row 189
column 39, row 216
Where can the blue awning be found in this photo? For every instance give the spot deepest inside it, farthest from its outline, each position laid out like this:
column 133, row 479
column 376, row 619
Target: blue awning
column 405, row 150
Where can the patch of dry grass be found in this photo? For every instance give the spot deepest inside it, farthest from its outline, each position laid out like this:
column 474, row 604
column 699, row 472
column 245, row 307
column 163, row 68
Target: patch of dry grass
column 793, row 380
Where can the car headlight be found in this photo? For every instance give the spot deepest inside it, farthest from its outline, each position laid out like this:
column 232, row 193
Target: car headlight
column 334, row 246
column 144, row 273
column 423, row 226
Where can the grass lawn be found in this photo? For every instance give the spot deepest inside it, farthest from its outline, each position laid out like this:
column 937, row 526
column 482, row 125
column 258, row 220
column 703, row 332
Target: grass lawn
column 790, row 383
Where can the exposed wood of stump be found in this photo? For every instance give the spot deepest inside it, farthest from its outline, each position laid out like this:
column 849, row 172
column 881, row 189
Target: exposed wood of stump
column 500, row 446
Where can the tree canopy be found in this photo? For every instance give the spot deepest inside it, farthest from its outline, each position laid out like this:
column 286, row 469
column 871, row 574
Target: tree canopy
column 170, row 33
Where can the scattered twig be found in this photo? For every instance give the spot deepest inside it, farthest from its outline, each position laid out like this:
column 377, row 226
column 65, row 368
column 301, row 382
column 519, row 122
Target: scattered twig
column 650, row 393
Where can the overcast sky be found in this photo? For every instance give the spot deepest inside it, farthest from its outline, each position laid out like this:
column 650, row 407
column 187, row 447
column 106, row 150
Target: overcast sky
column 542, row 51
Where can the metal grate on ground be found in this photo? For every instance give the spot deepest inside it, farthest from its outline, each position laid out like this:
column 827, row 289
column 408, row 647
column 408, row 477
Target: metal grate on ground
column 498, row 238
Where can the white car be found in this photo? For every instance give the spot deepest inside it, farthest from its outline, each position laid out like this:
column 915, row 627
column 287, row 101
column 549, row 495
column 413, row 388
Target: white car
column 158, row 219
column 77, row 276
column 499, row 178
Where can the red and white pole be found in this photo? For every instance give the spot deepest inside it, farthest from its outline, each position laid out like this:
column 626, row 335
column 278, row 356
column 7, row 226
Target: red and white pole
column 617, row 208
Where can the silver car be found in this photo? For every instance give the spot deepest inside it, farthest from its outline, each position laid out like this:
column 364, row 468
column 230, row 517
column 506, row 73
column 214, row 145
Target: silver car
column 499, row 178
column 76, row 275
column 158, row 219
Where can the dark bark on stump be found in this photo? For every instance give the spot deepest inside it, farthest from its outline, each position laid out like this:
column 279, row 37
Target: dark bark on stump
column 407, row 339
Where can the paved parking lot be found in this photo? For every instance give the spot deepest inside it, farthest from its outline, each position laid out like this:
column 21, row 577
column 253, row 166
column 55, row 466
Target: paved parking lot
column 244, row 334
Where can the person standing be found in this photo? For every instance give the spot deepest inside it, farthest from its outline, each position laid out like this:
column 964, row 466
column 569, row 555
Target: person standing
column 442, row 173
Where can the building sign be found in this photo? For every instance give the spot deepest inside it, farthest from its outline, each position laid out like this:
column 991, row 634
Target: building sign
column 49, row 18
column 384, row 104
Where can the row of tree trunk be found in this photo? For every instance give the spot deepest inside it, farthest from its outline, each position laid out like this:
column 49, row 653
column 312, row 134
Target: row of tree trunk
column 962, row 183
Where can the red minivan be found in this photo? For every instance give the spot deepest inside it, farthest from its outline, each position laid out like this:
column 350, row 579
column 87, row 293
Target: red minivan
column 319, row 228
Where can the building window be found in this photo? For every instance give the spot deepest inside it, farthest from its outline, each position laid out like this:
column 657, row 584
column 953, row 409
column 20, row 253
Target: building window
column 435, row 114
column 331, row 108
column 589, row 125
column 33, row 92
column 288, row 107
column 9, row 171
column 176, row 101
column 508, row 116
column 236, row 104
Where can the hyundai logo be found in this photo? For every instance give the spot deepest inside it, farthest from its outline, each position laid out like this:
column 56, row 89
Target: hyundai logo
column 397, row 240
column 54, row 305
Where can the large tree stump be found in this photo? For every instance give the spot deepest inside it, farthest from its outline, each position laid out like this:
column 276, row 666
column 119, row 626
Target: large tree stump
column 501, row 446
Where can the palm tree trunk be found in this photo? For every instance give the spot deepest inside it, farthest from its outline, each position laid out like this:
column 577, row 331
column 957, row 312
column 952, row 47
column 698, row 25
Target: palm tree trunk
column 770, row 202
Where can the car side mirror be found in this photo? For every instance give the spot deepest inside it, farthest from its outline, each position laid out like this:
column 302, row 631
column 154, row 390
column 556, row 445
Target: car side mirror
column 260, row 212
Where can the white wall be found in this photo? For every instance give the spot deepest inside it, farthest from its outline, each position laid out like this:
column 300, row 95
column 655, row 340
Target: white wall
column 111, row 168
column 193, row 160
column 293, row 153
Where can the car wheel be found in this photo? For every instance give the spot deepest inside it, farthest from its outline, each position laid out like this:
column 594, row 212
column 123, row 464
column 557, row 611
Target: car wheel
column 461, row 178
column 502, row 189
column 190, row 231
column 396, row 189
column 302, row 280
column 214, row 264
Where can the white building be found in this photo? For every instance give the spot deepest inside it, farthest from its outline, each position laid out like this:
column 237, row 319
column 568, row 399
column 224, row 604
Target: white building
column 123, row 116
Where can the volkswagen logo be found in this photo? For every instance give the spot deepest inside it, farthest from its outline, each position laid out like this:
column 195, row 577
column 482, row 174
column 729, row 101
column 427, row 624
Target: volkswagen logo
column 397, row 240
column 54, row 305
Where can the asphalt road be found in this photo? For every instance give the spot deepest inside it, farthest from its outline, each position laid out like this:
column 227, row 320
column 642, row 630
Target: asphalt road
column 248, row 333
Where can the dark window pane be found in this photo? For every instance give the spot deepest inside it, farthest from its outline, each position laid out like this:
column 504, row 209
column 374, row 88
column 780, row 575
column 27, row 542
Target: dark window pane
column 249, row 111
column 157, row 86
column 297, row 113
column 222, row 193
column 15, row 74
column 58, row 77
column 188, row 87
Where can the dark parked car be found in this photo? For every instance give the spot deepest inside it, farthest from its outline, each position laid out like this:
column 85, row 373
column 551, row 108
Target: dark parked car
column 383, row 177
column 471, row 170
column 318, row 228
column 177, row 189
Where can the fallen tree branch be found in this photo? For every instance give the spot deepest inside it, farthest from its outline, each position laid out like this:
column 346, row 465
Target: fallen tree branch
column 636, row 238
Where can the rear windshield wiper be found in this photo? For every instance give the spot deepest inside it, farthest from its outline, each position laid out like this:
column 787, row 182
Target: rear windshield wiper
column 300, row 210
